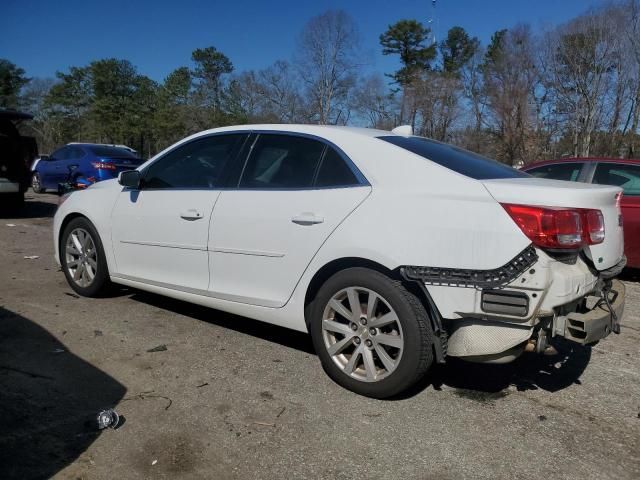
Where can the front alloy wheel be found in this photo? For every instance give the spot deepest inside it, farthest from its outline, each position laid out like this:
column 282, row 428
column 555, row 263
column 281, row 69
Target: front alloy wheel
column 81, row 257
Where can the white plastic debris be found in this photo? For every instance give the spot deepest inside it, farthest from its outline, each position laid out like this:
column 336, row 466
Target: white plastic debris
column 31, row 257
column 11, row 224
column 154, row 462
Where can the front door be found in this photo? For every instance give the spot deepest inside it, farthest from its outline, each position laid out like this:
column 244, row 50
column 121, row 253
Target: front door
column 294, row 191
column 160, row 231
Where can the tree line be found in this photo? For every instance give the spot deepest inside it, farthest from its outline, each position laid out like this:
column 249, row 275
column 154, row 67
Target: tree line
column 570, row 90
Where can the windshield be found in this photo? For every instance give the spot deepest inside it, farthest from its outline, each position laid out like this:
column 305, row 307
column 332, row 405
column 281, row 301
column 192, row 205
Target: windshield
column 455, row 158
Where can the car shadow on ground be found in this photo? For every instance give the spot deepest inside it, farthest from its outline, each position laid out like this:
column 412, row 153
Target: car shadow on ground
column 30, row 209
column 49, row 400
column 479, row 381
column 531, row 371
column 273, row 333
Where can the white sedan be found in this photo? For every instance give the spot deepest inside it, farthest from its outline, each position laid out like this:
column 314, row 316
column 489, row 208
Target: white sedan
column 393, row 251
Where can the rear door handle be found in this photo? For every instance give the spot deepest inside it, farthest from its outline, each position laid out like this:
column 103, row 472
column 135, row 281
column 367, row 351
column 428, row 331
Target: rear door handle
column 191, row 214
column 307, row 219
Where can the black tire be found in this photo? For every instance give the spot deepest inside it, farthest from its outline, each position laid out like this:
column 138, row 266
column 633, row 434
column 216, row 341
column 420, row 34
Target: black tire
column 36, row 184
column 100, row 285
column 417, row 351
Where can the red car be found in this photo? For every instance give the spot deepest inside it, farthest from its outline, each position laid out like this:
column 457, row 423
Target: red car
column 623, row 173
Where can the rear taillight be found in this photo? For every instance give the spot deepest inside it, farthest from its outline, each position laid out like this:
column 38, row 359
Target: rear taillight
column 556, row 227
column 103, row 165
column 593, row 226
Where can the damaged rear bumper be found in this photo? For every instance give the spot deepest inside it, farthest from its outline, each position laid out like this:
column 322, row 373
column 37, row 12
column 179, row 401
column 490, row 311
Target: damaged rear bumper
column 592, row 324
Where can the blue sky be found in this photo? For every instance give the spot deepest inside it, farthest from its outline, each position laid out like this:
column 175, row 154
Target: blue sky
column 44, row 36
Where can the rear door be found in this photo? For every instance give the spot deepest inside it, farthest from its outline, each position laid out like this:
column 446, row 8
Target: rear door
column 292, row 193
column 160, row 231
column 627, row 176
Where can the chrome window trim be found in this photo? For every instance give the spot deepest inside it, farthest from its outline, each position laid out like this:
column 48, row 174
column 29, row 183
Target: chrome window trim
column 362, row 180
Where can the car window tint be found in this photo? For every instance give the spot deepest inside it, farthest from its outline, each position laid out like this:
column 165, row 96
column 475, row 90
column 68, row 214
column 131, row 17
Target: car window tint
column 558, row 171
column 334, row 171
column 198, row 164
column 282, row 161
column 619, row 174
column 455, row 158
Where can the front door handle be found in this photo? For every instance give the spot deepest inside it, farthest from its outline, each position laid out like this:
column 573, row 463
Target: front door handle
column 307, row 219
column 191, row 214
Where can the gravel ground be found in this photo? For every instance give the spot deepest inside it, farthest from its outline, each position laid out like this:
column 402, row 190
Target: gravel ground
column 234, row 398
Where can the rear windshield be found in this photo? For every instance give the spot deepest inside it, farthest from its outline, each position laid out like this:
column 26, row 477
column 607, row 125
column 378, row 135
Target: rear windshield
column 455, row 158
column 114, row 152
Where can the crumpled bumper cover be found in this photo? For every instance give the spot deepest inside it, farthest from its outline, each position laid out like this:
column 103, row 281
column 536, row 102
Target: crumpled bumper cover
column 595, row 324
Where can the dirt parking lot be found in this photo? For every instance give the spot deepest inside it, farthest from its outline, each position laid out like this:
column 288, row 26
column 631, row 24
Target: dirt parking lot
column 235, row 398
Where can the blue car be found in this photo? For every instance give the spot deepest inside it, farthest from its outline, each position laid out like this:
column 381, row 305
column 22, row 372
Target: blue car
column 88, row 161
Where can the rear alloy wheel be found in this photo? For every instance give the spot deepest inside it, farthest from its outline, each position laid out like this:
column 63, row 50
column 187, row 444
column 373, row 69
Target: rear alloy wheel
column 366, row 343
column 36, row 184
column 371, row 333
column 82, row 258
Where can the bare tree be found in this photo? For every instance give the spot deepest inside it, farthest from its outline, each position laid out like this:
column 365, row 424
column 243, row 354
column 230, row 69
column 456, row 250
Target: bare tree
column 510, row 79
column 327, row 58
column 373, row 101
column 582, row 72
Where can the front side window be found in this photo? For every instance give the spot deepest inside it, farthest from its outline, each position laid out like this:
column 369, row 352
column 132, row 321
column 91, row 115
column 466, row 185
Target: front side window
column 281, row 162
column 622, row 175
column 558, row 171
column 199, row 164
column 60, row 154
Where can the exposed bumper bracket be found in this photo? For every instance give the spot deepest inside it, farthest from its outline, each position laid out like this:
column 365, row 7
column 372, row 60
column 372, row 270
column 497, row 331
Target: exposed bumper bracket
column 597, row 323
column 458, row 277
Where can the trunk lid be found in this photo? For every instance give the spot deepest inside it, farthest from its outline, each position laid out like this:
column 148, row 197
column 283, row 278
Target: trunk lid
column 557, row 193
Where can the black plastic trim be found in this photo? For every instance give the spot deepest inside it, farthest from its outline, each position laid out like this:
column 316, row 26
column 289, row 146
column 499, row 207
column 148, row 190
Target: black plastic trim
column 460, row 277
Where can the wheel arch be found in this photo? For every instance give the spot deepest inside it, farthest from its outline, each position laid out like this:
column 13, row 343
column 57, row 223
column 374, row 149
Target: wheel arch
column 333, row 267
column 65, row 221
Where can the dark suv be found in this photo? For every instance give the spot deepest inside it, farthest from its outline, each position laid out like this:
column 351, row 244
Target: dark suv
column 16, row 154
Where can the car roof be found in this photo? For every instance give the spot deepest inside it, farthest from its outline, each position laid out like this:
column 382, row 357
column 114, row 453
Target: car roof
column 319, row 130
column 582, row 160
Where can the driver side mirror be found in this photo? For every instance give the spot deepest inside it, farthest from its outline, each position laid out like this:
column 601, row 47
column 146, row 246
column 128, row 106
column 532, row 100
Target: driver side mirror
column 130, row 179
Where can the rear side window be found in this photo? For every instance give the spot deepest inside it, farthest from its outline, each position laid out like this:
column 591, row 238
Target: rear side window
column 198, row 164
column 113, row 152
column 334, row 171
column 455, row 158
column 620, row 175
column 281, row 162
column 558, row 171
